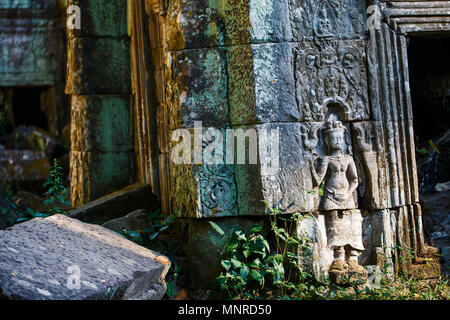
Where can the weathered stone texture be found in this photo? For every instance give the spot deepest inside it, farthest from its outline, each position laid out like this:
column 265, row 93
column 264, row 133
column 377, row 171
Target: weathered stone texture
column 23, row 166
column 99, row 80
column 391, row 107
column 117, row 204
column 331, row 71
column 32, row 54
column 417, row 17
column 39, row 259
column 32, row 42
column 101, row 18
column 102, row 155
column 95, row 173
column 101, row 123
column 239, row 189
column 197, row 24
column 98, row 66
column 199, row 83
column 35, row 139
column 136, row 220
column 275, row 83
column 337, row 92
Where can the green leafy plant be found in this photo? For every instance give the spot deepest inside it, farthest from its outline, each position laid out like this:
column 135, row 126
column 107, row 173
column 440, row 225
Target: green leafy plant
column 251, row 268
column 285, row 261
column 245, row 265
column 10, row 210
column 56, row 195
column 171, row 282
column 55, row 199
column 158, row 224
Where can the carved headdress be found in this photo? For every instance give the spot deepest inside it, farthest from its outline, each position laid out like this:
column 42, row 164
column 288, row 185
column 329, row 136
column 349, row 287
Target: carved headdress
column 333, row 126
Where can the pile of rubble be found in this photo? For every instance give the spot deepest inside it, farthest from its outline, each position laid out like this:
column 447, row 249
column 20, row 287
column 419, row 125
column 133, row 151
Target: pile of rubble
column 25, row 157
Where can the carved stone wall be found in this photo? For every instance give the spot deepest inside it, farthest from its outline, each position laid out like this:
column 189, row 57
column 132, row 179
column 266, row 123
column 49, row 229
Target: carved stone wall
column 338, row 94
column 32, row 52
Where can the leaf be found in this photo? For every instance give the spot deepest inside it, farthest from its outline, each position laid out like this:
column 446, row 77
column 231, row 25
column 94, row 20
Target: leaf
column 154, row 235
column 169, row 220
column 255, row 275
column 291, row 256
column 244, row 271
column 321, row 189
column 255, row 263
column 266, row 244
column 226, row 264
column 293, row 241
column 235, row 263
column 217, row 228
column 231, row 245
column 163, row 228
column 422, row 151
column 256, row 229
column 433, row 146
column 240, row 235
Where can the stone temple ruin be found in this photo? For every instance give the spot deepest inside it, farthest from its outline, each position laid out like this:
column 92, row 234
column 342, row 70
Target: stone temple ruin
column 332, row 76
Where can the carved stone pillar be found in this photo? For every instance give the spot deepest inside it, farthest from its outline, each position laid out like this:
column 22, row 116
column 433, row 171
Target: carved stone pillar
column 98, row 79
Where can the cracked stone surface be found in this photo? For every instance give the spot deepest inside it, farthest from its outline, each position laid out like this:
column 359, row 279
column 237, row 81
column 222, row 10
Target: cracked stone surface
column 60, row 258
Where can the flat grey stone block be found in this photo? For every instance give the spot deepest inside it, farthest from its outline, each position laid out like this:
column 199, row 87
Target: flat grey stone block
column 60, row 258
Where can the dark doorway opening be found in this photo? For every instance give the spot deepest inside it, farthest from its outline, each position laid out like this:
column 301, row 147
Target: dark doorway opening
column 429, row 66
column 27, row 107
column 429, row 69
column 23, row 106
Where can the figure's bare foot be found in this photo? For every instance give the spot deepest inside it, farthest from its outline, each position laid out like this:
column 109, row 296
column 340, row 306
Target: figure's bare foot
column 338, row 265
column 353, row 266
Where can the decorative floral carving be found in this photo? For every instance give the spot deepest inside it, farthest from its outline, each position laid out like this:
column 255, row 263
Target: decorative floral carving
column 330, row 72
column 218, row 190
column 218, row 193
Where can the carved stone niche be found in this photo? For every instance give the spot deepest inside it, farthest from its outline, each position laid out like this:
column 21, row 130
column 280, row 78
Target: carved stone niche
column 331, row 71
column 339, row 226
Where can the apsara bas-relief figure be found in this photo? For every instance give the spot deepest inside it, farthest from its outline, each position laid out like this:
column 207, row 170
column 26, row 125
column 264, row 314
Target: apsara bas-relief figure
column 337, row 171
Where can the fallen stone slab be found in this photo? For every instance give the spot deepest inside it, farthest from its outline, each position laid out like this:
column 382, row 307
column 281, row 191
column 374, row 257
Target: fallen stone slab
column 117, row 204
column 135, row 220
column 60, row 258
